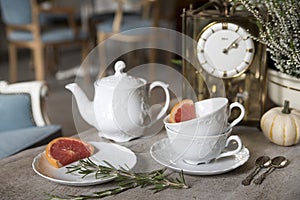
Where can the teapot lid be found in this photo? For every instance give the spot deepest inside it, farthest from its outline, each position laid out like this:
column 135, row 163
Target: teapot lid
column 121, row 78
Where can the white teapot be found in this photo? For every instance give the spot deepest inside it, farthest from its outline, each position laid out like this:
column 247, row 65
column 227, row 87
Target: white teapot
column 120, row 110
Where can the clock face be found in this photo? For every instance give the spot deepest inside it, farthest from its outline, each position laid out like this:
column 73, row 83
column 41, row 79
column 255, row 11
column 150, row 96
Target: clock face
column 225, row 50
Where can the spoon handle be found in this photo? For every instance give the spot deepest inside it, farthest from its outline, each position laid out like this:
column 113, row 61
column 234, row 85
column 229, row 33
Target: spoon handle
column 249, row 178
column 262, row 177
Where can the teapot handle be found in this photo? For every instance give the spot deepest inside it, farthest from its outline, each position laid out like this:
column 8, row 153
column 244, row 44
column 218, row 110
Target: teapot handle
column 164, row 86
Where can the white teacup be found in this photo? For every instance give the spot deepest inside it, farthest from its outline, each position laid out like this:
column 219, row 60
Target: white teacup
column 202, row 149
column 212, row 118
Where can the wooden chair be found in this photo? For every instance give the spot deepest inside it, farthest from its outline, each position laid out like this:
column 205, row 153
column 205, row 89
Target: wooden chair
column 119, row 27
column 121, row 22
column 25, row 30
column 24, row 122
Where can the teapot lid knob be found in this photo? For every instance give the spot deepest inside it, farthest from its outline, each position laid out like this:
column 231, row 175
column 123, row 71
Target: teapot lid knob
column 119, row 66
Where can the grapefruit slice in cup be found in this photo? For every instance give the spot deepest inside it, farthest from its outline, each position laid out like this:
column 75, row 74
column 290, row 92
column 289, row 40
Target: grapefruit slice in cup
column 183, row 111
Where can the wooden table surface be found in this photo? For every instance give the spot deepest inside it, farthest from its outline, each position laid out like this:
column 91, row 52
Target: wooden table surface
column 19, row 181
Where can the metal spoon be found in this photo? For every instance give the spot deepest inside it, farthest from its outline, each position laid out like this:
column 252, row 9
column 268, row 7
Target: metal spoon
column 277, row 162
column 263, row 161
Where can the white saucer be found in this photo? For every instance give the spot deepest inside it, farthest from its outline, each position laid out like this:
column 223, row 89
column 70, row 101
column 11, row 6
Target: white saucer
column 163, row 154
column 116, row 155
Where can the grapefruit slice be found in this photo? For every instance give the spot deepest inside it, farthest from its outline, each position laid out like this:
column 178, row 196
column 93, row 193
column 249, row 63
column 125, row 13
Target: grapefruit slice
column 183, row 111
column 65, row 150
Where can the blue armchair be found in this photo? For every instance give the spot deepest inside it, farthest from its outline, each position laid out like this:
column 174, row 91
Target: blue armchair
column 23, row 119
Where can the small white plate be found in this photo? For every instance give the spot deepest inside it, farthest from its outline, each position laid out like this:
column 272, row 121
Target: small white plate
column 116, row 155
column 163, row 154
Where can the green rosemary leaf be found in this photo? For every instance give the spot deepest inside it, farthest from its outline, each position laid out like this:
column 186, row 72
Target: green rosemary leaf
column 109, row 165
column 176, row 61
column 182, row 177
column 124, row 169
column 126, row 179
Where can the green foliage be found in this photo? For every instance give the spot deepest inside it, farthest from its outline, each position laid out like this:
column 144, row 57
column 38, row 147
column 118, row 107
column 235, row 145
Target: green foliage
column 279, row 31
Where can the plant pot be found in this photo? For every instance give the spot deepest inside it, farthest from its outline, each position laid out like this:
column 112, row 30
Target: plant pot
column 283, row 87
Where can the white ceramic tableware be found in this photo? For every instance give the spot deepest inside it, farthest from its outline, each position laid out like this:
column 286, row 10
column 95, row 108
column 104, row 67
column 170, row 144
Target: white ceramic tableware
column 202, row 149
column 103, row 151
column 212, row 118
column 121, row 105
column 163, row 154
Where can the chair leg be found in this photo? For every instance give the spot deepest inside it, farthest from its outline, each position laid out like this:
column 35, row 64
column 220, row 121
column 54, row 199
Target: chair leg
column 30, row 62
column 38, row 55
column 102, row 54
column 51, row 59
column 101, row 37
column 85, row 50
column 84, row 54
column 13, row 71
column 55, row 55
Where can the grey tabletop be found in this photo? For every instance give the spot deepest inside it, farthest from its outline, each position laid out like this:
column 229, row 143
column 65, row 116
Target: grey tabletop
column 19, row 181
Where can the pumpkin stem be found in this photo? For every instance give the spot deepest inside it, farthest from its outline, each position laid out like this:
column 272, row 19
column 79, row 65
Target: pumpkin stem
column 286, row 107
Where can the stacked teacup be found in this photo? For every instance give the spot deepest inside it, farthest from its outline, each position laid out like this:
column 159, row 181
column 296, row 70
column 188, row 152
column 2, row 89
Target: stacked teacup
column 204, row 138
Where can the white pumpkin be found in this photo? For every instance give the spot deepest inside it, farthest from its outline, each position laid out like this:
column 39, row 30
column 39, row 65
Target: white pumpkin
column 281, row 125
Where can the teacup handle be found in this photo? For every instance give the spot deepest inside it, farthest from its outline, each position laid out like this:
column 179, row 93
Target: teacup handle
column 233, row 152
column 164, row 86
column 240, row 117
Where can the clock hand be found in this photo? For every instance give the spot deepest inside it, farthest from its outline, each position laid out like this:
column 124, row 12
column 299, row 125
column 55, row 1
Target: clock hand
column 232, row 45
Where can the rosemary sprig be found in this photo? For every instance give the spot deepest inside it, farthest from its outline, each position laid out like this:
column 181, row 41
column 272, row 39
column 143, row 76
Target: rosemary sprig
column 126, row 179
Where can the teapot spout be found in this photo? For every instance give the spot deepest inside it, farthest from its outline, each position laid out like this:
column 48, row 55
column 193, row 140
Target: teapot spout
column 84, row 105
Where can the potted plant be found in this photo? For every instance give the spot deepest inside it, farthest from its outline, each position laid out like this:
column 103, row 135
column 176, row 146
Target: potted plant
column 280, row 31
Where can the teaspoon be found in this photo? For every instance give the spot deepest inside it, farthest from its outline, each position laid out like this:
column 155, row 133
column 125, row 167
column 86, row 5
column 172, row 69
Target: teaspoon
column 263, row 161
column 277, row 162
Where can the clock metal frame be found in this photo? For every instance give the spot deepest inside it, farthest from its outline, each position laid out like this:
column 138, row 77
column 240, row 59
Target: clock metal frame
column 245, row 83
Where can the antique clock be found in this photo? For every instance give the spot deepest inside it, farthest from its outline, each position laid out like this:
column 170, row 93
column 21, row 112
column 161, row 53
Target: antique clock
column 225, row 59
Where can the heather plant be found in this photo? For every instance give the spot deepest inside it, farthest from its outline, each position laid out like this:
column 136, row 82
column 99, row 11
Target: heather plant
column 279, row 25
